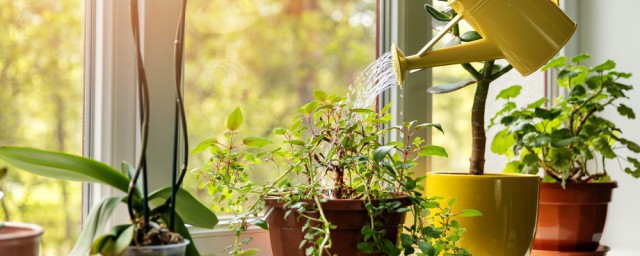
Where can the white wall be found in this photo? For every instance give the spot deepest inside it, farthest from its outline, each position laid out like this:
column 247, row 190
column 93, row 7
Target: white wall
column 611, row 30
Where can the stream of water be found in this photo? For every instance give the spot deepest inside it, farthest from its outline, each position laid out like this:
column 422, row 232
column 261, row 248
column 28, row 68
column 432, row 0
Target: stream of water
column 376, row 78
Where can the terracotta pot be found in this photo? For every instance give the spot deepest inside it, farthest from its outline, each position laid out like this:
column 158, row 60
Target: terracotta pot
column 508, row 202
column 20, row 239
column 349, row 215
column 572, row 219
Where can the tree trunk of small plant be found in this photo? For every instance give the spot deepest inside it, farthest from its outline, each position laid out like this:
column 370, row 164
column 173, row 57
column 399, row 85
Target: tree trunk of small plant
column 478, row 135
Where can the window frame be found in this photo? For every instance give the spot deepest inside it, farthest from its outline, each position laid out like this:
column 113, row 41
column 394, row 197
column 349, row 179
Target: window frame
column 111, row 133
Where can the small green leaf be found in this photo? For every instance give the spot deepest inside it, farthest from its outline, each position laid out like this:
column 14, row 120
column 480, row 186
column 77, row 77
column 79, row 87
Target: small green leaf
column 510, row 92
column 470, row 36
column 261, row 223
column 602, row 145
column 546, row 114
column 502, row 142
column 580, row 57
column 362, row 110
column 320, row 95
column 295, row 142
column 380, row 153
column 437, row 14
column 248, row 252
column 432, row 150
column 630, row 145
column 235, row 120
column 607, row 65
column 470, row 213
column 426, row 248
column 452, row 202
column 537, row 103
column 425, row 125
column 256, row 142
column 594, row 82
column 513, row 167
column 555, row 63
column 624, row 110
column 204, row 145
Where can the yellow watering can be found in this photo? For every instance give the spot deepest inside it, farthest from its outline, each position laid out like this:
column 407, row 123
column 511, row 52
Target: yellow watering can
column 527, row 33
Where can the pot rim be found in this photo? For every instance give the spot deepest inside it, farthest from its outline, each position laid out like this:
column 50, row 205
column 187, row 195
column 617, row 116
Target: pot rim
column 184, row 242
column 587, row 186
column 340, row 204
column 466, row 175
column 23, row 230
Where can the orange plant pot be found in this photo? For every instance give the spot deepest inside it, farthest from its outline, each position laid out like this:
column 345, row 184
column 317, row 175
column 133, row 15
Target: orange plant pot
column 349, row 215
column 20, row 239
column 572, row 219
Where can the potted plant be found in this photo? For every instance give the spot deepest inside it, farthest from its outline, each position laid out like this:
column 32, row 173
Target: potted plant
column 570, row 144
column 509, row 202
column 157, row 218
column 339, row 189
column 17, row 238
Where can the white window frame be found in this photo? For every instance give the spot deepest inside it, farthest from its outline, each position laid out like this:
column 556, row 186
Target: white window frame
column 110, row 131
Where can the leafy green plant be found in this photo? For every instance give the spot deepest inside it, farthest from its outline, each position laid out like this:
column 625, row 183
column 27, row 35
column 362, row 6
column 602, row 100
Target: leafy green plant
column 564, row 138
column 156, row 217
column 331, row 151
column 482, row 77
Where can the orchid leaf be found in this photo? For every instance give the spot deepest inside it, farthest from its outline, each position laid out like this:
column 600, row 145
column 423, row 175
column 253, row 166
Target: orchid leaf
column 94, row 224
column 188, row 207
column 63, row 166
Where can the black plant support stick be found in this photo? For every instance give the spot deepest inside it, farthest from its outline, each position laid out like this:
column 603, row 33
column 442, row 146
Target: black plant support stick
column 143, row 93
column 180, row 113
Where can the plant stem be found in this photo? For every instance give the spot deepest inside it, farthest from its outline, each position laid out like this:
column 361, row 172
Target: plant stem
column 479, row 138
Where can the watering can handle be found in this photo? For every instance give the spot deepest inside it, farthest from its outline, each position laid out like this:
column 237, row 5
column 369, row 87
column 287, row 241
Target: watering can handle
column 439, row 36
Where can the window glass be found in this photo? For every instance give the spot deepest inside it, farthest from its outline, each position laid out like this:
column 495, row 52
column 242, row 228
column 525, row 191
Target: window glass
column 267, row 57
column 41, row 57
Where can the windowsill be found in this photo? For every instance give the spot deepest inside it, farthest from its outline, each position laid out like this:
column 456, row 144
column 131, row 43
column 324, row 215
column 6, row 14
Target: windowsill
column 216, row 241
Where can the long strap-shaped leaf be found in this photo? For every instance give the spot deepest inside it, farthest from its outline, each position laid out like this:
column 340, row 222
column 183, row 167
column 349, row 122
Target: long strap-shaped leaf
column 63, row 166
column 97, row 219
column 188, row 207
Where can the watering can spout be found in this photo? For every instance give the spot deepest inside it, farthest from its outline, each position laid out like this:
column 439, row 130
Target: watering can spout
column 527, row 33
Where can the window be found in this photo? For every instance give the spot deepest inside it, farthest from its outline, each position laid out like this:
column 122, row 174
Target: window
column 267, row 58
column 41, row 106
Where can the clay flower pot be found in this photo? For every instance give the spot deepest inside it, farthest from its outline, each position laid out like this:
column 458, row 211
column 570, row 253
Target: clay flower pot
column 349, row 215
column 20, row 239
column 572, row 219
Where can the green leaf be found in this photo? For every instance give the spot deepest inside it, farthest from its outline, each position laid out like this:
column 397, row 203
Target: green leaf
column 426, row 125
column 626, row 111
column 235, row 120
column 124, row 239
column 432, row 150
column 502, row 142
column 537, row 103
column 513, row 167
column 187, row 207
column 380, row 153
column 362, row 110
column 63, row 166
column 594, row 82
column 426, row 248
column 115, row 241
column 319, row 95
column 470, row 213
column 630, row 145
column 310, row 107
column 204, row 145
column 560, row 158
column 580, row 57
column 437, row 14
column 261, row 223
column 607, row 65
column 578, row 91
column 546, row 114
column 452, row 202
column 510, row 92
column 98, row 217
column 256, row 142
column 295, row 142
column 450, row 87
column 601, row 144
column 555, row 63
column 470, row 36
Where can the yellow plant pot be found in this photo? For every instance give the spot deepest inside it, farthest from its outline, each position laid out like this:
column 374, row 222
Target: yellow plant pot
column 509, row 203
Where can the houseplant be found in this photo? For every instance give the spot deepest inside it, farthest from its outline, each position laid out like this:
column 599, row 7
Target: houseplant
column 569, row 143
column 509, row 202
column 338, row 190
column 157, row 219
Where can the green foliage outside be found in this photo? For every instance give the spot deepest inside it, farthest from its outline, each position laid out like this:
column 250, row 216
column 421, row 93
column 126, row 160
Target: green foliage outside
column 566, row 137
column 41, row 106
column 268, row 58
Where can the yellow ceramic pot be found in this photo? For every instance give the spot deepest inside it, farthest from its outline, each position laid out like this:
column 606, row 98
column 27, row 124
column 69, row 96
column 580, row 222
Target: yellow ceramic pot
column 509, row 203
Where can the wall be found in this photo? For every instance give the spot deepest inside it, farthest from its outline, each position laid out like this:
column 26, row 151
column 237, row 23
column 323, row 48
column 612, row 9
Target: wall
column 611, row 30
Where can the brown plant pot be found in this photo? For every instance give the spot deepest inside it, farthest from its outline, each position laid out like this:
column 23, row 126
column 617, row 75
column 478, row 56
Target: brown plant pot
column 572, row 219
column 20, row 239
column 349, row 215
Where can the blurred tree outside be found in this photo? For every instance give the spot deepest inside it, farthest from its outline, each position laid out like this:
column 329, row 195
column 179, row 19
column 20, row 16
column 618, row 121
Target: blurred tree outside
column 41, row 58
column 267, row 57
